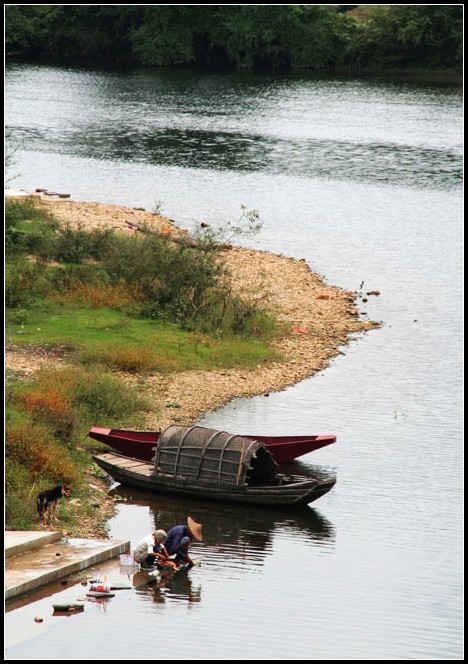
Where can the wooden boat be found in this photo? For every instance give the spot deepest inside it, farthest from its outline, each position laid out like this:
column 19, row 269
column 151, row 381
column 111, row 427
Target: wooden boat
column 205, row 463
column 141, row 444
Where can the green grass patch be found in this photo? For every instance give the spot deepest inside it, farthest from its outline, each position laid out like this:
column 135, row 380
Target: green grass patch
column 12, row 415
column 110, row 338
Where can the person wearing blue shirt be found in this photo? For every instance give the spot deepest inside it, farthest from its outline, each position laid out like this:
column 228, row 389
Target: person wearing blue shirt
column 179, row 539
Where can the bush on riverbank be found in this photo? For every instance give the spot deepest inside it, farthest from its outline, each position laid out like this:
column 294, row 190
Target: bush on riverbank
column 144, row 275
column 47, row 421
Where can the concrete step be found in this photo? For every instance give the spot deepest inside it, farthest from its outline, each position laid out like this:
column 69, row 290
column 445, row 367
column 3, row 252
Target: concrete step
column 19, row 541
column 39, row 561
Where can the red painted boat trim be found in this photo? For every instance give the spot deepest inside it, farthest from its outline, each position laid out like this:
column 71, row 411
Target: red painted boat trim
column 140, row 444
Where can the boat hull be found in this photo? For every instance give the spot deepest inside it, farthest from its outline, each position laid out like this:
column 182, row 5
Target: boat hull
column 141, row 444
column 138, row 473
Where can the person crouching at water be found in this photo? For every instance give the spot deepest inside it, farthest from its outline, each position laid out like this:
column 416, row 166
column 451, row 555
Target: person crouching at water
column 151, row 551
column 179, row 539
column 163, row 560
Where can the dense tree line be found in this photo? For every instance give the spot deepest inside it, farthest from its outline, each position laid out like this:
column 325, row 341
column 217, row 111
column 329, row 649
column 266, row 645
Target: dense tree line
column 240, row 36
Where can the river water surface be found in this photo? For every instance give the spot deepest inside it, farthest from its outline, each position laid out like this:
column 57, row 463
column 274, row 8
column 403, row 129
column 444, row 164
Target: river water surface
column 362, row 178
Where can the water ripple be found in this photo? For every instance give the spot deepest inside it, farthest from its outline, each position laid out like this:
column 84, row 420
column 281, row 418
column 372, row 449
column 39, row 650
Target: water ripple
column 371, row 162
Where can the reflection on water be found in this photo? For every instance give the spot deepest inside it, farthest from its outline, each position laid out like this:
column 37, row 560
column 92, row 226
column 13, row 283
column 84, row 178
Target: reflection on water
column 237, row 539
column 175, row 586
column 384, row 163
column 178, row 586
column 229, row 524
column 272, row 125
column 98, row 604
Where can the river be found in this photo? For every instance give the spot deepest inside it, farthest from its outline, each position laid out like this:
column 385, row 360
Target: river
column 362, row 179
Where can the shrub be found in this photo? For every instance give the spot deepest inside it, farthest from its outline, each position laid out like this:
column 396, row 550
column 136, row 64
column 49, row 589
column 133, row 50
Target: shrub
column 19, row 497
column 66, row 279
column 98, row 393
column 242, row 317
column 53, row 408
column 24, row 219
column 17, row 316
column 24, row 283
column 74, row 245
column 143, row 275
column 178, row 283
column 33, row 447
column 63, row 401
column 106, row 397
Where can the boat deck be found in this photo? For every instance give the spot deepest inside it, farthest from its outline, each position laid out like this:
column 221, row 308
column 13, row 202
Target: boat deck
column 125, row 463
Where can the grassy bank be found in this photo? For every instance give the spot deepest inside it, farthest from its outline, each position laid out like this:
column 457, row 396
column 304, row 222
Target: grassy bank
column 103, row 328
column 109, row 306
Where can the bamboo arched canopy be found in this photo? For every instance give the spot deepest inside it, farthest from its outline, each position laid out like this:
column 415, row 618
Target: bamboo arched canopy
column 197, row 455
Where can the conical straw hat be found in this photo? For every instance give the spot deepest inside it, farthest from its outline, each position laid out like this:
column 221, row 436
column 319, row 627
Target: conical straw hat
column 195, row 528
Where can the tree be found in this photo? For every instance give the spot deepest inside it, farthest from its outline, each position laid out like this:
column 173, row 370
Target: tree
column 410, row 36
column 170, row 34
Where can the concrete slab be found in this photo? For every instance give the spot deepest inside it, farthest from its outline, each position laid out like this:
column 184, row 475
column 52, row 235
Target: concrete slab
column 35, row 568
column 19, row 541
column 19, row 193
column 43, row 193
